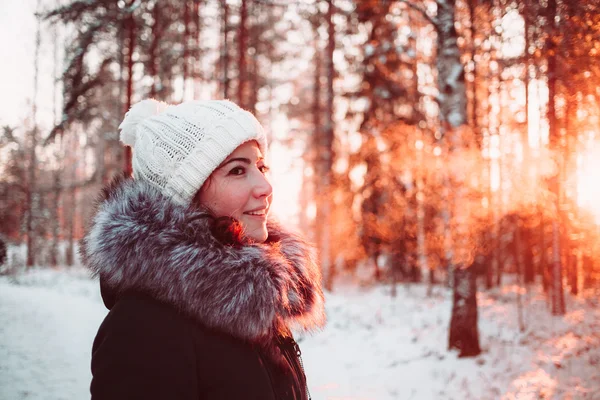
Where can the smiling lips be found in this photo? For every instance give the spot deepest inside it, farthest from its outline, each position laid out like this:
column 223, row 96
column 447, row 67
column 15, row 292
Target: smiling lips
column 260, row 212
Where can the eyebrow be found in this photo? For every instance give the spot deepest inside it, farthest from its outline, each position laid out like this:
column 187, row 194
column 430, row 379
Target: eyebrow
column 242, row 159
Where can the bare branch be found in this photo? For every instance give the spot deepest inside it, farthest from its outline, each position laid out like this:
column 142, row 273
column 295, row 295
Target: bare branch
column 423, row 12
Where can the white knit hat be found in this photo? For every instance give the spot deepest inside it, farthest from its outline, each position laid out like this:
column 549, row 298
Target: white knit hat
column 176, row 147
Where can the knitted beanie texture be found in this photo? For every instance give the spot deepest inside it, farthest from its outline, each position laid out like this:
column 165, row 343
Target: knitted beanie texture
column 177, row 147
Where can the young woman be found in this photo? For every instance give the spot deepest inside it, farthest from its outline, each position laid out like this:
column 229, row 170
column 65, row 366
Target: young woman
column 202, row 287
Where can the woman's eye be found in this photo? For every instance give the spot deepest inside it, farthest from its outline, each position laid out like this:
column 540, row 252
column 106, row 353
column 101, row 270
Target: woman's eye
column 264, row 169
column 237, row 171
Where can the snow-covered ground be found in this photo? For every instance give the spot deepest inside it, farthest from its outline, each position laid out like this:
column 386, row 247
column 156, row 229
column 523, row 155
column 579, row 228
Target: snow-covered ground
column 47, row 323
column 374, row 347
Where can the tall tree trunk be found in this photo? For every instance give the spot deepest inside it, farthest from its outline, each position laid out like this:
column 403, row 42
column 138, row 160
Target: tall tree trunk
column 544, row 267
column 463, row 332
column 492, row 271
column 316, row 111
column 579, row 266
column 526, row 80
column 186, row 45
column 493, row 267
column 528, row 267
column 72, row 211
column 71, row 204
column 421, row 237
column 400, row 265
column 253, row 67
column 540, row 268
column 411, row 249
column 316, row 106
column 502, row 194
column 31, row 173
column 425, row 267
column 198, row 79
column 472, row 5
column 528, row 259
column 587, row 265
column 558, row 304
column 519, row 261
column 491, row 236
column 119, row 106
column 558, row 300
column 574, row 272
column 242, row 50
column 153, row 59
column 58, row 159
column 447, row 227
column 325, row 160
column 55, row 219
column 570, row 242
column 225, row 51
column 130, row 27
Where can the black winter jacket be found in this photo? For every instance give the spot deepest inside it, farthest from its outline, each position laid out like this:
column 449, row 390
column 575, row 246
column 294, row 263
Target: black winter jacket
column 191, row 317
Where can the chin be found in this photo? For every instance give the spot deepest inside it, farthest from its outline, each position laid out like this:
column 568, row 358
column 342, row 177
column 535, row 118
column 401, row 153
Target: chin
column 258, row 235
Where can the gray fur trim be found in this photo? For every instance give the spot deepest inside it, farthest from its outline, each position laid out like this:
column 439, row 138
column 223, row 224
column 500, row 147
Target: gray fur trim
column 141, row 240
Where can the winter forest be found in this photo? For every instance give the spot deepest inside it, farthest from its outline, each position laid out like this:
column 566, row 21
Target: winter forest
column 443, row 155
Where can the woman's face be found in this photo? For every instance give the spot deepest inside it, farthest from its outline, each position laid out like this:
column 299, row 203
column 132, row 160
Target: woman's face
column 239, row 188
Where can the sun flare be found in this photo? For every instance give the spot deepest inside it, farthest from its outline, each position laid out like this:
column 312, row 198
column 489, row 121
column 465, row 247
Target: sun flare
column 588, row 180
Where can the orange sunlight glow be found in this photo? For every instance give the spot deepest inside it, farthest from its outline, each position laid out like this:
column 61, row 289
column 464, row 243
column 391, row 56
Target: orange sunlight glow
column 532, row 385
column 588, row 179
column 286, row 173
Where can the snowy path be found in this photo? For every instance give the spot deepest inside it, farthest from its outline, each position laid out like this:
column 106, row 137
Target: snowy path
column 374, row 347
column 45, row 342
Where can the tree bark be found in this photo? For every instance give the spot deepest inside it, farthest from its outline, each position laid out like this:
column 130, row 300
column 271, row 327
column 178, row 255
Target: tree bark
column 544, row 267
column 528, row 267
column 31, row 173
column 325, row 158
column 156, row 34
column 463, row 332
column 519, row 260
column 242, row 50
column 492, row 270
column 558, row 300
column 225, row 51
column 472, row 5
column 130, row 27
column 570, row 239
column 316, row 111
column 423, row 264
column 54, row 219
column 197, row 76
column 421, row 237
column 58, row 159
column 186, row 44
column 253, row 65
column 558, row 304
column 70, row 206
column 588, row 267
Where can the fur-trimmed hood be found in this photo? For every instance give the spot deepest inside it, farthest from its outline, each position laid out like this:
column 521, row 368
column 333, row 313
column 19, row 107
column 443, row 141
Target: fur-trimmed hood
column 140, row 240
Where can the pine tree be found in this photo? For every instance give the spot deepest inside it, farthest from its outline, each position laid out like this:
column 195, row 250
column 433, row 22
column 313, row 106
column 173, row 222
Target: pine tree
column 32, row 195
column 384, row 105
column 452, row 100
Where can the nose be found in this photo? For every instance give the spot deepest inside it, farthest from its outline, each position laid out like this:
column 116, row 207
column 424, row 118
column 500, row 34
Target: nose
column 262, row 186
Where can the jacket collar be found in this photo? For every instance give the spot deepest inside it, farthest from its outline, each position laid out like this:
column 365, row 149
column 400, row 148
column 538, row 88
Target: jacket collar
column 140, row 240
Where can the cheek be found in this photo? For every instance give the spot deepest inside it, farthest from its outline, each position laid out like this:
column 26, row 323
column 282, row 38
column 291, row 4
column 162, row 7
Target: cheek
column 229, row 201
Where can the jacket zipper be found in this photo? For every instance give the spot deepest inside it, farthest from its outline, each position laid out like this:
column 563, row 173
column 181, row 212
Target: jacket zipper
column 298, row 354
